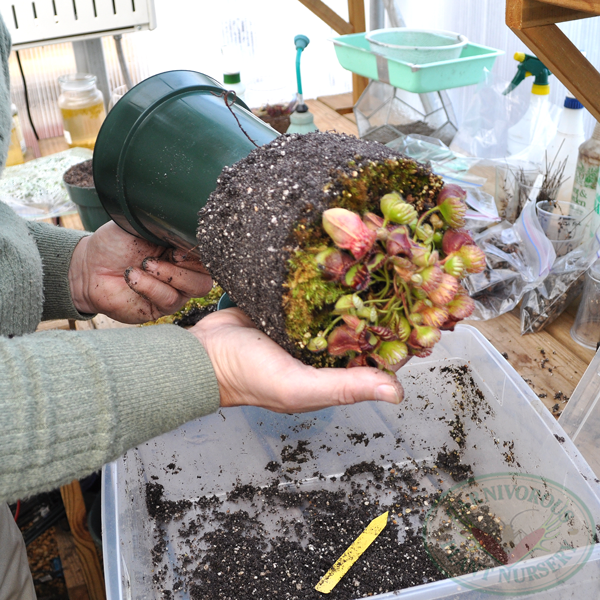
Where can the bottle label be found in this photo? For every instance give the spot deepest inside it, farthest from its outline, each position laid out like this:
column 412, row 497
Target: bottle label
column 584, row 186
column 586, row 175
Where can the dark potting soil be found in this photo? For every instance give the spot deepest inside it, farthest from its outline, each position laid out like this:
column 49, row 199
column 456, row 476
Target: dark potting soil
column 245, row 231
column 278, row 541
column 80, row 175
column 275, row 537
column 192, row 316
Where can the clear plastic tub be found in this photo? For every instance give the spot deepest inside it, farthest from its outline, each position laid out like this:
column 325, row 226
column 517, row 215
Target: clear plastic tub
column 581, row 417
column 508, row 433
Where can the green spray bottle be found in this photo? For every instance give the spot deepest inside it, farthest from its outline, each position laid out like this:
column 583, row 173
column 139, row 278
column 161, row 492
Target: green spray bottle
column 537, row 122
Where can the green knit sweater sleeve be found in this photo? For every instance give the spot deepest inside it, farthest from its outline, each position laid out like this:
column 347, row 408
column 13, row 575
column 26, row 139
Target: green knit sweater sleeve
column 72, row 401
column 56, row 246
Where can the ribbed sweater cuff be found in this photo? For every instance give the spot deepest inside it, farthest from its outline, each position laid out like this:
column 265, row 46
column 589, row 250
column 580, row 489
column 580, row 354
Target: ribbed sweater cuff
column 56, row 246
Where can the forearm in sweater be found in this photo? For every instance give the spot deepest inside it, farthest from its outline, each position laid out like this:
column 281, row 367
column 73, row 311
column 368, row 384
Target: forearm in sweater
column 72, row 401
column 56, row 246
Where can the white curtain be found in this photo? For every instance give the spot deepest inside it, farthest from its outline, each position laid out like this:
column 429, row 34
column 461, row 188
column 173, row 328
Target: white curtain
column 191, row 33
column 483, row 22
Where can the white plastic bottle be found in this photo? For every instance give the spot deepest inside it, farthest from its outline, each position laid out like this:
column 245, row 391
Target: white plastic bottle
column 587, row 177
column 565, row 144
column 232, row 79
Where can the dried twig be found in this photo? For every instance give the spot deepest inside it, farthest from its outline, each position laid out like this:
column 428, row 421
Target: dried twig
column 226, row 95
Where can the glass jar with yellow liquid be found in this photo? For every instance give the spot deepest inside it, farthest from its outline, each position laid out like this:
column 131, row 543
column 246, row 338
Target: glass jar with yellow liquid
column 17, row 148
column 82, row 107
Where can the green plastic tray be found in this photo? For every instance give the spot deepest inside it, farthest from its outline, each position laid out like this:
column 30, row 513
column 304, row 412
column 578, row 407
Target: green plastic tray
column 354, row 54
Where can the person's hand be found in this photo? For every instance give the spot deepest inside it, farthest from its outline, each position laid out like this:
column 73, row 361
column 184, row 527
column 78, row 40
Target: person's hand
column 132, row 280
column 253, row 370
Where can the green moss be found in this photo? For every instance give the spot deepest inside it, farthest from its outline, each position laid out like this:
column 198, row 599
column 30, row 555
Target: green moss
column 193, row 303
column 361, row 189
column 308, row 298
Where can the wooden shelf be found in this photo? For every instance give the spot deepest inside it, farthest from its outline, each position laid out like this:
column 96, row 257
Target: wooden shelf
column 534, row 23
column 584, row 5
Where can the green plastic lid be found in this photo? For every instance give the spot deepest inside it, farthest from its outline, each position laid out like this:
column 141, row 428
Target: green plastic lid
column 231, row 78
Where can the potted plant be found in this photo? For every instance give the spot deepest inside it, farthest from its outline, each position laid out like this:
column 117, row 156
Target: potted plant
column 342, row 251
column 79, row 181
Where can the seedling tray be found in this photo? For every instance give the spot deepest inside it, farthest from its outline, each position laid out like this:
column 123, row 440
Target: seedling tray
column 464, row 399
column 354, row 53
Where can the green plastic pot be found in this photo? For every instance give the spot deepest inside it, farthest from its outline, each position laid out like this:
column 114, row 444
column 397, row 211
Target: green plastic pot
column 89, row 207
column 162, row 148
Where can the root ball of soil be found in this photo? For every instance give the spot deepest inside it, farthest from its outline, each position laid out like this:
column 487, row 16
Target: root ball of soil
column 249, row 229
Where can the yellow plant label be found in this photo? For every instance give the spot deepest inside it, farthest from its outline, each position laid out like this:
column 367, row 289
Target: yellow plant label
column 352, row 554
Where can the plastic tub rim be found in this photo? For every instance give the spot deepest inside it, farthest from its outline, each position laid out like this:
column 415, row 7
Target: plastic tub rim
column 493, row 52
column 462, row 39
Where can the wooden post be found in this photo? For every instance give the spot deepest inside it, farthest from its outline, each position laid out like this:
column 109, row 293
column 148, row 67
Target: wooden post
column 356, row 12
column 533, row 22
column 73, row 574
column 329, row 16
column 86, row 549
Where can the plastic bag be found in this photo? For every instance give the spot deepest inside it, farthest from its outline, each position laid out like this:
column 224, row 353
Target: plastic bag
column 484, row 131
column 519, row 257
column 35, row 189
column 542, row 305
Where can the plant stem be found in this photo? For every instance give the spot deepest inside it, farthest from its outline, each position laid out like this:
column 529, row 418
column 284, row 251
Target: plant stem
column 423, row 217
column 330, row 326
column 407, row 292
column 391, row 309
column 387, row 283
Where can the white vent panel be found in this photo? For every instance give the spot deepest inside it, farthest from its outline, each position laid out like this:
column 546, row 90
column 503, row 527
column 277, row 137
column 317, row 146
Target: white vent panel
column 38, row 22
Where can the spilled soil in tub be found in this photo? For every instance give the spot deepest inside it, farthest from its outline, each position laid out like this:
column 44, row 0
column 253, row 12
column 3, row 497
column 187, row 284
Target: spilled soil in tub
column 276, row 536
column 282, row 540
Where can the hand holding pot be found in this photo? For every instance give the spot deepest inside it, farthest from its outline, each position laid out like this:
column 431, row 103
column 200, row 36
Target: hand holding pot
column 253, row 370
column 132, row 280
